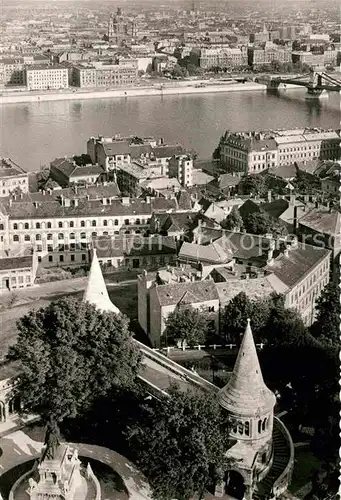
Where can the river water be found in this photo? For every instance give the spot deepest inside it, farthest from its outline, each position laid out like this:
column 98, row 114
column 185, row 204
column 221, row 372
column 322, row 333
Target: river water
column 33, row 134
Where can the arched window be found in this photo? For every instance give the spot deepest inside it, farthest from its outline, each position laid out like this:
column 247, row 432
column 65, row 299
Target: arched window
column 263, row 458
column 240, row 428
column 38, row 226
column 83, row 236
column 247, row 428
column 15, row 237
column 49, row 236
column 38, row 237
column 1, row 227
column 264, row 424
column 115, row 222
column 72, row 236
column 60, row 224
column 93, row 223
column 105, row 222
column 259, row 426
column 82, row 223
column 27, row 237
column 26, row 225
column 126, row 222
column 72, row 223
column 15, row 226
column 137, row 222
column 60, row 236
column 49, row 225
column 94, row 235
column 105, row 233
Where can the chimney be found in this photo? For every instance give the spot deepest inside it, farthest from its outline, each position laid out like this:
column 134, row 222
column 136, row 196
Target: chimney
column 295, row 219
column 75, row 189
column 75, row 202
column 104, row 201
column 147, row 199
column 292, row 199
column 269, row 196
column 125, row 200
column 10, row 202
column 270, row 259
column 44, row 192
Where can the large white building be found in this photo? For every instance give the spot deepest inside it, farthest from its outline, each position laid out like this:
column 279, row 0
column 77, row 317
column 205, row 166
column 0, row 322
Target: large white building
column 252, row 152
column 47, row 77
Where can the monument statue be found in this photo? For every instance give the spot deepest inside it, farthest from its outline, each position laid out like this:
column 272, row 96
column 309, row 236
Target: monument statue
column 52, row 441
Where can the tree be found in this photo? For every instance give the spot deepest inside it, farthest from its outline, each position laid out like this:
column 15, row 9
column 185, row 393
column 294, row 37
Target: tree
column 82, row 160
column 233, row 220
column 42, row 177
column 69, row 354
column 327, row 325
column 181, row 444
column 236, row 313
column 257, row 223
column 252, row 185
column 186, row 324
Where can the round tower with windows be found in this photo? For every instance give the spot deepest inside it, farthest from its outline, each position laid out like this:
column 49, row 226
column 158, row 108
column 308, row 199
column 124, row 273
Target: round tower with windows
column 250, row 405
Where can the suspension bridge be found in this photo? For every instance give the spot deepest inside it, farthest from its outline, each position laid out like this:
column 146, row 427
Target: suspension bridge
column 317, row 83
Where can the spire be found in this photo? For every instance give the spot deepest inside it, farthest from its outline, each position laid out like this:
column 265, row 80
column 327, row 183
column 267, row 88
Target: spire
column 265, row 29
column 246, row 392
column 96, row 291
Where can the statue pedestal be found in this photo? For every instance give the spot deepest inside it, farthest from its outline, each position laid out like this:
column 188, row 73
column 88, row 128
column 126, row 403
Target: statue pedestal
column 220, row 489
column 59, row 477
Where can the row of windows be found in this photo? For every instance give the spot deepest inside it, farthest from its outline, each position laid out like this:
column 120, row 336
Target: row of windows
column 71, row 224
column 243, row 428
column 62, row 258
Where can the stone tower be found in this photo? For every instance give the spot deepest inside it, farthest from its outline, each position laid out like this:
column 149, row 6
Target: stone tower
column 96, row 292
column 250, row 405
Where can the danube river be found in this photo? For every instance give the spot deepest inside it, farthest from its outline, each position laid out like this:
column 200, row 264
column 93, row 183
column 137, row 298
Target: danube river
column 33, row 134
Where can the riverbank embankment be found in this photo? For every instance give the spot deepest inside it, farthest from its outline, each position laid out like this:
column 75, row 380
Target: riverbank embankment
column 22, row 97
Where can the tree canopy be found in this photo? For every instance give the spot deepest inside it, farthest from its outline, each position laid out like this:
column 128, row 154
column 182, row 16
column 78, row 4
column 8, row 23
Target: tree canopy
column 181, row 443
column 327, row 325
column 69, row 353
column 262, row 223
column 186, row 324
column 233, row 220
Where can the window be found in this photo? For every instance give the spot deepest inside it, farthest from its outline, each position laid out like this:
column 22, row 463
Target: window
column 61, row 258
column 50, row 248
column 83, row 256
column 211, row 309
column 39, row 258
column 71, row 223
column 38, row 237
column 137, row 221
column 259, row 426
column 264, row 424
column 38, row 226
column 240, row 428
column 72, row 258
column 39, row 248
column 49, row 225
column 115, row 222
column 93, row 235
column 15, row 226
column 60, row 224
column 126, row 222
column 26, row 225
column 49, row 236
column 83, row 236
column 247, row 428
column 82, row 223
column 60, row 236
column 93, row 223
column 27, row 237
column 15, row 237
column 105, row 223
column 72, row 236
column 50, row 258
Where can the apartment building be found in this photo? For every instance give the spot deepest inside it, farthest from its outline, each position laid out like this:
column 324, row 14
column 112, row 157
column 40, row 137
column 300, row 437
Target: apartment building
column 12, row 71
column 298, row 270
column 223, row 57
column 17, row 272
column 267, row 53
column 252, row 152
column 61, row 228
column 12, row 178
column 112, row 152
column 46, row 77
column 161, row 292
column 102, row 74
column 66, row 172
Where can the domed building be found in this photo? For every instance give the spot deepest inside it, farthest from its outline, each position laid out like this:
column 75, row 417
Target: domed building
column 261, row 447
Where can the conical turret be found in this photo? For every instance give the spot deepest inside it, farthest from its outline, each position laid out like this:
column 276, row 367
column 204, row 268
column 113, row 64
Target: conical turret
column 246, row 393
column 96, row 291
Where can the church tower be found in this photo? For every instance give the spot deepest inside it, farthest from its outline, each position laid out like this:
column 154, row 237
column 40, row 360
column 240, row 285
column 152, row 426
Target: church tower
column 96, row 292
column 250, row 405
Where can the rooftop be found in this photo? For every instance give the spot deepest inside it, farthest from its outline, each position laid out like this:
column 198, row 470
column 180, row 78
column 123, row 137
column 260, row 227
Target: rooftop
column 16, row 263
column 175, row 293
column 10, row 169
column 323, row 221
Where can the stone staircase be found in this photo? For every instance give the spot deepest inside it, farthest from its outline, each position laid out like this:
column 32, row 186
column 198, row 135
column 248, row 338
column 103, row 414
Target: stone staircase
column 280, row 461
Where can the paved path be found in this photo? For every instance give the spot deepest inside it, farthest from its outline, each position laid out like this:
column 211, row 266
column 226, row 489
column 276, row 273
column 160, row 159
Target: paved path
column 18, row 448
